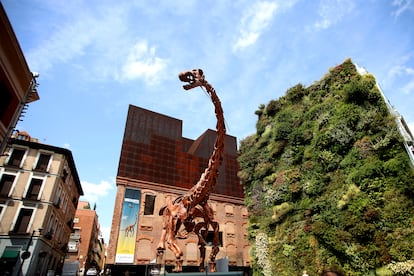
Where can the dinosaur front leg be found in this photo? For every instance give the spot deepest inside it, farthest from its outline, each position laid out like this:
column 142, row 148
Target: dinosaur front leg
column 172, row 243
column 173, row 246
column 161, row 243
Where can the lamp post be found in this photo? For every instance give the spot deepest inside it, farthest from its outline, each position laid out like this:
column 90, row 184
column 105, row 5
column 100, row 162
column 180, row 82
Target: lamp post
column 26, row 254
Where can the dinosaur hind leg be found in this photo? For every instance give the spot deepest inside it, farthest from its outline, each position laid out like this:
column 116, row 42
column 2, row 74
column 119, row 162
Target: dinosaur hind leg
column 173, row 246
column 215, row 249
column 201, row 244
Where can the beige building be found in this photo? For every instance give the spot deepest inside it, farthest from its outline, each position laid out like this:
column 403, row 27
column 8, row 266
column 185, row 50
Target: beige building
column 39, row 192
column 157, row 162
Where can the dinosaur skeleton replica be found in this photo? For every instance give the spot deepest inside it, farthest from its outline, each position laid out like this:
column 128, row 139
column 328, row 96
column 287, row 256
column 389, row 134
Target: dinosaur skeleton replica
column 191, row 211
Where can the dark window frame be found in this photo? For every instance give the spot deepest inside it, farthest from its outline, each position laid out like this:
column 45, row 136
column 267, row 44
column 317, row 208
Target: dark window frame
column 4, row 190
column 43, row 161
column 65, row 174
column 23, row 220
column 149, row 204
column 16, row 157
column 35, row 187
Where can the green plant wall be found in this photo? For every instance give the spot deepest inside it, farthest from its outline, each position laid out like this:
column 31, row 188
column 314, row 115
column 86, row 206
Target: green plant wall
column 328, row 182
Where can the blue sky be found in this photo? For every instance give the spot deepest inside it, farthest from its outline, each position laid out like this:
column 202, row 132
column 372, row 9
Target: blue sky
column 97, row 57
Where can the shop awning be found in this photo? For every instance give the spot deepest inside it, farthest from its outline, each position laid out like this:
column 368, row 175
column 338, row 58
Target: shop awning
column 10, row 254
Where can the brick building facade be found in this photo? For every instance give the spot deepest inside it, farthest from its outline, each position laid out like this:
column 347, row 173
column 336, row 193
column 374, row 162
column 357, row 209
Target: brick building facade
column 86, row 247
column 156, row 162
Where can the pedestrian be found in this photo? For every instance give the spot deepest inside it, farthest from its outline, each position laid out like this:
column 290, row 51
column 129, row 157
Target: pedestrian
column 305, row 273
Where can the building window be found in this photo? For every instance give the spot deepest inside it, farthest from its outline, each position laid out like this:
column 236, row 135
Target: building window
column 244, row 212
column 65, row 201
column 43, row 162
column 75, row 201
column 23, row 136
column 73, row 246
column 49, row 231
column 16, row 157
column 23, row 220
column 149, row 204
column 34, row 189
column 57, row 200
column 6, row 183
column 64, row 174
column 3, row 206
column 210, row 237
column 229, row 210
column 231, row 230
column 191, row 253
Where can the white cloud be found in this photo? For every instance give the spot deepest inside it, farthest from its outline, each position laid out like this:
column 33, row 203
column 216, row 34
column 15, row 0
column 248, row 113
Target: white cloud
column 399, row 70
column 331, row 12
column 56, row 48
column 408, row 88
column 143, row 63
column 93, row 192
column 254, row 22
column 403, row 75
column 66, row 145
column 402, row 6
column 80, row 38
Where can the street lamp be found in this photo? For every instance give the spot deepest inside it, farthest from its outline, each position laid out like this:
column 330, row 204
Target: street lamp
column 26, row 254
column 154, row 268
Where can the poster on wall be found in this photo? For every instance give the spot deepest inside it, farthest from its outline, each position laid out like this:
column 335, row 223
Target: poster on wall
column 128, row 229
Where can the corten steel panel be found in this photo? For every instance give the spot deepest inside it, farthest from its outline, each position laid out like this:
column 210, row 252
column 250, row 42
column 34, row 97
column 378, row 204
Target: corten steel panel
column 154, row 150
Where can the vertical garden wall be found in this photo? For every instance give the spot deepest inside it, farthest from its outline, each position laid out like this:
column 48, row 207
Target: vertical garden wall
column 328, row 182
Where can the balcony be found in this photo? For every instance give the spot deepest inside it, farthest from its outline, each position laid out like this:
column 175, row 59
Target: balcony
column 73, row 247
column 74, row 236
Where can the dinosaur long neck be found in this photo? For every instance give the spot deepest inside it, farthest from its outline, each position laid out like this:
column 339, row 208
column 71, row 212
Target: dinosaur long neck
column 202, row 189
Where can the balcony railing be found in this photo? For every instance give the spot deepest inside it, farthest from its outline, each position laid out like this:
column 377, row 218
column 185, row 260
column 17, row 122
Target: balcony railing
column 74, row 236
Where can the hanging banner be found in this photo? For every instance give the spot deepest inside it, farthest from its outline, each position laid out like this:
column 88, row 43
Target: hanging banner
column 125, row 249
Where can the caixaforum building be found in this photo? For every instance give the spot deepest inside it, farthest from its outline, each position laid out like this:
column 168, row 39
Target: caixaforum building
column 157, row 162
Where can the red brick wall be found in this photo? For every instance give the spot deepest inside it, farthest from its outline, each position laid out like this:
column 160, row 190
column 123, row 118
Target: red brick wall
column 154, row 150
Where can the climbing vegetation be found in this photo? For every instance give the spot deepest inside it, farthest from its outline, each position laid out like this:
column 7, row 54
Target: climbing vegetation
column 328, row 182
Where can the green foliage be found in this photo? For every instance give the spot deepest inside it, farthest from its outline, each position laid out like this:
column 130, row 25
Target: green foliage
column 259, row 112
column 356, row 92
column 295, row 93
column 351, row 193
column 280, row 211
column 273, row 107
column 328, row 182
column 282, row 131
